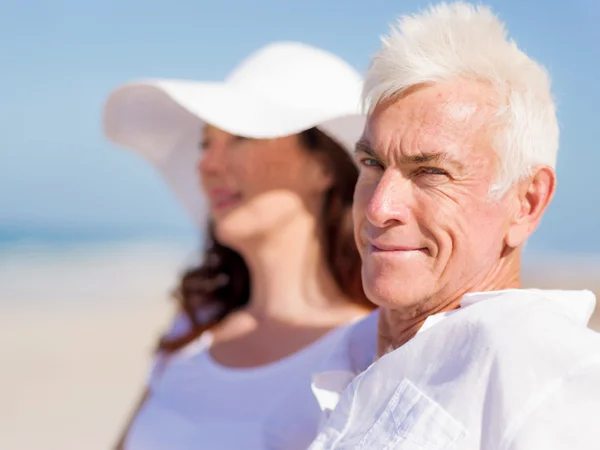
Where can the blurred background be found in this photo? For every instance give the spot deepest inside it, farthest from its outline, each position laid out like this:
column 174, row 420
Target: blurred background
column 91, row 241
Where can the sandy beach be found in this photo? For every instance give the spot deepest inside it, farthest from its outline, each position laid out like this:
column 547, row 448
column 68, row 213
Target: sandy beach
column 77, row 331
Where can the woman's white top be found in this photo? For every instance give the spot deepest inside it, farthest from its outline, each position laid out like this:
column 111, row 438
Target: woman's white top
column 196, row 403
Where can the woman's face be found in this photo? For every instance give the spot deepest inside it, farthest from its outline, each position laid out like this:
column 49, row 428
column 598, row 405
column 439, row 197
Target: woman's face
column 256, row 186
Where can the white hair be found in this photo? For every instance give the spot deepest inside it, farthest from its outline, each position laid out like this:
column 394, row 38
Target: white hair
column 458, row 40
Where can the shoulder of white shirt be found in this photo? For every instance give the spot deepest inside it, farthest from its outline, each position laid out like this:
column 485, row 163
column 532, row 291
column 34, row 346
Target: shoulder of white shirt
column 512, row 323
column 525, row 318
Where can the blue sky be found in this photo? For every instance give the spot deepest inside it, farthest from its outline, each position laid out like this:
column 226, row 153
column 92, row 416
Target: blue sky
column 60, row 59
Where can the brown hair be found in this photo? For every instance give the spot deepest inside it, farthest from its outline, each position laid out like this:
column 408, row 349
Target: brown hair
column 222, row 283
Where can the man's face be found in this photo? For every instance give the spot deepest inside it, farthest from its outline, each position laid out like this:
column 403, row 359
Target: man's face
column 425, row 225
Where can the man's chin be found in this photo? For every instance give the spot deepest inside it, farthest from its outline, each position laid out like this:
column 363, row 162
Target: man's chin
column 392, row 296
column 391, row 289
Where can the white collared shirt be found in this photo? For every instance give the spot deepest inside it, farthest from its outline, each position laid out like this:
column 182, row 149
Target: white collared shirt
column 508, row 370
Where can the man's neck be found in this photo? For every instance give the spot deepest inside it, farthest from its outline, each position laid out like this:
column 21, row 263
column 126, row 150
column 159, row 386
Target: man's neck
column 397, row 326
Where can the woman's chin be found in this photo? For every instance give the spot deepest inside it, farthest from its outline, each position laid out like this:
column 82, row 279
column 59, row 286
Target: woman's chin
column 235, row 230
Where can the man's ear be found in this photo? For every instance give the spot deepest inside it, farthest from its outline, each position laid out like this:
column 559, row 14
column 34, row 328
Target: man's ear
column 534, row 194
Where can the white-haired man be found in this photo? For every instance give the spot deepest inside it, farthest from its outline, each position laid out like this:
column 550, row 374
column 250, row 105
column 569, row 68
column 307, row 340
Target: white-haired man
column 457, row 168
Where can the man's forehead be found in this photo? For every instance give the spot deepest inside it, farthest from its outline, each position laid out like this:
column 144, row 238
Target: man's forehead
column 454, row 101
column 460, row 110
column 434, row 116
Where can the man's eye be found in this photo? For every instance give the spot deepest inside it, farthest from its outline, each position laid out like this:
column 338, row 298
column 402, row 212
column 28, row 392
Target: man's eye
column 370, row 162
column 431, row 171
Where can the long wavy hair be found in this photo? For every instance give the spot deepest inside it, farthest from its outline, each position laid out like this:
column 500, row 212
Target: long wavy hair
column 221, row 284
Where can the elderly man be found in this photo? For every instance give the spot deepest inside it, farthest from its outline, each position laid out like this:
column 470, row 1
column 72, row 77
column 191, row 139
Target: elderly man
column 457, row 169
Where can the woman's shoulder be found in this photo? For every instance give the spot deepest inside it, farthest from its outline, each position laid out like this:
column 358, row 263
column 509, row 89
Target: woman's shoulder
column 365, row 326
column 357, row 347
column 361, row 342
column 355, row 354
column 179, row 327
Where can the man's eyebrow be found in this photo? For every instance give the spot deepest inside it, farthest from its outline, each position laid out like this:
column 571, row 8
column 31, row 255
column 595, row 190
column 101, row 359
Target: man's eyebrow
column 363, row 146
column 441, row 158
column 432, row 157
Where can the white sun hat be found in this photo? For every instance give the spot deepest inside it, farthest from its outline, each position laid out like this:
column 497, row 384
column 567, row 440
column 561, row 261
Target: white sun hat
column 282, row 89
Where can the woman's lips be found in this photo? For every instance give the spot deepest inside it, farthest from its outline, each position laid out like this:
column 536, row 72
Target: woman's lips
column 221, row 199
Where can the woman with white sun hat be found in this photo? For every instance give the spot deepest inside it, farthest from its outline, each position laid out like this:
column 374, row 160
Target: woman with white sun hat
column 262, row 163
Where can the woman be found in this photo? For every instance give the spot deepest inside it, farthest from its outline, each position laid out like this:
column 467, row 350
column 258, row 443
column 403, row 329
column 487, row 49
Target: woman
column 279, row 283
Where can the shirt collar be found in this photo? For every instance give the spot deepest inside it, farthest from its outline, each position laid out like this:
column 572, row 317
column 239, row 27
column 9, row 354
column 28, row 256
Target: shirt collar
column 579, row 305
